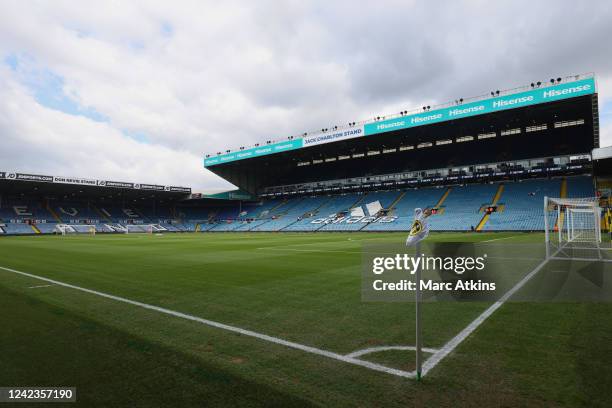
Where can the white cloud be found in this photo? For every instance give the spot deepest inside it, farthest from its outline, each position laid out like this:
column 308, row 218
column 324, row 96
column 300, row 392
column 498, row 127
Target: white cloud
column 198, row 77
column 40, row 140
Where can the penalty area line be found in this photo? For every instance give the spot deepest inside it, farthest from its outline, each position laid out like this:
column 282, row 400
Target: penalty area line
column 227, row 327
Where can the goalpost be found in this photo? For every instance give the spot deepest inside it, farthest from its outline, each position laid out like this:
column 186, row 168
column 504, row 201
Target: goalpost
column 139, row 228
column 572, row 228
column 69, row 229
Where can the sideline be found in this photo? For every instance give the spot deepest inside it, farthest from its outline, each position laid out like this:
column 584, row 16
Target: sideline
column 234, row 329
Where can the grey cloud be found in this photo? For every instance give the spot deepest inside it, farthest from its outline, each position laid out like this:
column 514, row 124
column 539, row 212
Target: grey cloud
column 232, row 73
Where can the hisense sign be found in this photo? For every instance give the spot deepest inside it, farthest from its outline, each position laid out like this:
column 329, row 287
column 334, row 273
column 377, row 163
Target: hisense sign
column 517, row 100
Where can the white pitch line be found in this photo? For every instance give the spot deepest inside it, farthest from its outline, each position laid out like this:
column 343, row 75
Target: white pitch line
column 370, row 350
column 39, row 286
column 245, row 332
column 309, row 250
column 458, row 339
column 512, row 258
column 497, row 239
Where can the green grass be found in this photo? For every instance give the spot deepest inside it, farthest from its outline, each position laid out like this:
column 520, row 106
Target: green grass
column 304, row 288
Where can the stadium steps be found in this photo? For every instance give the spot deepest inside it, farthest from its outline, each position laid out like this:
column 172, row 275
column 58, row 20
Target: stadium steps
column 256, row 222
column 279, row 206
column 257, row 225
column 355, row 204
column 359, row 201
column 365, row 225
column 54, row 214
column 389, row 210
column 212, row 215
column 486, row 216
column 212, row 227
column 498, row 194
column 276, row 207
column 259, row 218
column 393, row 204
column 101, row 214
column 234, row 225
column 443, row 198
column 314, row 211
column 285, row 207
column 562, row 194
column 398, row 199
column 144, row 218
column 35, row 229
column 203, row 226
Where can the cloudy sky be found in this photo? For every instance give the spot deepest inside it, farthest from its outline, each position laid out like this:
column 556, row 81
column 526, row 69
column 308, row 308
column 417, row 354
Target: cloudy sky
column 141, row 90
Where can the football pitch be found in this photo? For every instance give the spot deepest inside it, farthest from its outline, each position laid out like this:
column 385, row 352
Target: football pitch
column 277, row 319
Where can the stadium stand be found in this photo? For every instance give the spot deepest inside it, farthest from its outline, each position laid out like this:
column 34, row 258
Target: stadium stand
column 46, row 228
column 580, row 186
column 520, row 207
column 18, row 229
column 521, row 203
column 25, row 210
column 458, row 208
column 461, row 210
column 475, row 170
column 74, row 211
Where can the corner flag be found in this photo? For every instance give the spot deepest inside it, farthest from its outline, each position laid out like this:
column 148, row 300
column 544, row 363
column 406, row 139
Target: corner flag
column 419, row 229
column 418, row 232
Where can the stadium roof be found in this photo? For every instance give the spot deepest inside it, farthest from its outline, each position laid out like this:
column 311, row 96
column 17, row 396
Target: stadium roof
column 400, row 143
column 24, row 183
column 537, row 93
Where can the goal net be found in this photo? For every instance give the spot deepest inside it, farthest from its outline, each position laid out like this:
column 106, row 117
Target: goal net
column 139, row 228
column 573, row 228
column 70, row 229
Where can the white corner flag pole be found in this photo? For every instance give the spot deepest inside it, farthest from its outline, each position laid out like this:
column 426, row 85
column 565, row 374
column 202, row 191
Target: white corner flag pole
column 419, row 340
column 418, row 232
